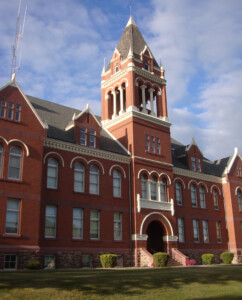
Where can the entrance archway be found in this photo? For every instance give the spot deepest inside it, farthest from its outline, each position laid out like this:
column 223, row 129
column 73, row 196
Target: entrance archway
column 155, row 232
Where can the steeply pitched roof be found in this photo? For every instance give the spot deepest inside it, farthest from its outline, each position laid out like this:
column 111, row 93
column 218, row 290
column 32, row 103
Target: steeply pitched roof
column 132, row 39
column 59, row 116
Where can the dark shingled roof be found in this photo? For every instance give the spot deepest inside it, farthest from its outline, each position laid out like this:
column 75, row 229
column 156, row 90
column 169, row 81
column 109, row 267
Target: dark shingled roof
column 179, row 159
column 132, row 39
column 59, row 116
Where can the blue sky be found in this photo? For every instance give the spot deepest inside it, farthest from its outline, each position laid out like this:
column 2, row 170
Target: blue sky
column 199, row 43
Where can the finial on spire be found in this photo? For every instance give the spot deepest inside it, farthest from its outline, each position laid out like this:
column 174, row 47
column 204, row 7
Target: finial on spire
column 131, row 22
column 104, row 67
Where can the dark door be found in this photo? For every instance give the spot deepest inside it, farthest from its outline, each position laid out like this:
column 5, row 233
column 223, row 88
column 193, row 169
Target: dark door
column 155, row 234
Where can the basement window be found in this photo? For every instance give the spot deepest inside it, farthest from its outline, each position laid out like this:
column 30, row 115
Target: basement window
column 10, row 262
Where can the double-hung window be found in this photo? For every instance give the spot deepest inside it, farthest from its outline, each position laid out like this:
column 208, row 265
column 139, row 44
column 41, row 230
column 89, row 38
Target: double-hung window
column 117, row 226
column 202, row 197
column 79, row 172
column 12, row 216
column 1, row 159
column 195, row 230
column 83, row 137
column 178, row 193
column 181, row 234
column 52, row 173
column 158, row 145
column 144, row 186
column 116, row 183
column 3, row 109
column 77, row 226
column 147, row 142
column 194, row 195
column 94, row 224
column 50, row 221
column 153, row 188
column 205, row 231
column 215, row 199
column 92, row 138
column 163, row 190
column 15, row 162
column 94, row 180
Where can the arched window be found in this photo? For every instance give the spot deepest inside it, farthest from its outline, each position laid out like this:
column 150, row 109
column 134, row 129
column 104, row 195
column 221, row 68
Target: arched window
column 202, row 197
column 116, row 183
column 179, row 193
column 215, row 199
column 194, row 195
column 144, row 186
column 239, row 194
column 15, row 162
column 52, row 173
column 79, row 172
column 94, row 180
column 153, row 188
column 1, row 159
column 163, row 191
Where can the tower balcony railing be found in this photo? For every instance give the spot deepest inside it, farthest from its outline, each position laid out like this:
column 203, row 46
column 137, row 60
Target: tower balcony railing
column 155, row 205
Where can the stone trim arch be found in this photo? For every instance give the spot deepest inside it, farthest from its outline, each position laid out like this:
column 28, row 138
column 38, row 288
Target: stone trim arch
column 22, row 143
column 76, row 158
column 236, row 190
column 118, row 166
column 179, row 179
column 154, row 172
column 214, row 186
column 190, row 183
column 160, row 214
column 167, row 176
column 142, row 170
column 55, row 153
column 4, row 140
column 98, row 162
column 200, row 183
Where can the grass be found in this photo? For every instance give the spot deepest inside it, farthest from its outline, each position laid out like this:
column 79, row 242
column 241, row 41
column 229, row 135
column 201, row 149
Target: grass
column 220, row 282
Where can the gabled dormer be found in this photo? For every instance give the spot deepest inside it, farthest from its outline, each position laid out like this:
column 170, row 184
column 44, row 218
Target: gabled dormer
column 147, row 59
column 115, row 62
column 194, row 157
column 234, row 167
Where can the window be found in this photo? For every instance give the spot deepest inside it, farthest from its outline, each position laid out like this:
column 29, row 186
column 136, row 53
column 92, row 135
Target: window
column 92, row 138
column 1, row 159
column 77, row 226
column 94, row 180
column 17, row 112
column 14, row 165
column 163, row 190
column 10, row 111
column 239, row 171
column 195, row 230
column 181, row 234
column 205, row 232
column 83, row 137
column 194, row 195
column 86, row 261
column 179, row 193
column 52, row 173
column 152, row 144
column 153, row 188
column 116, row 183
column 12, row 216
column 116, row 67
column 202, row 197
column 3, row 109
column 193, row 163
column 50, row 221
column 94, row 224
column 215, row 199
column 198, row 164
column 79, row 172
column 144, row 186
column 49, row 261
column 10, row 261
column 239, row 194
column 157, row 145
column 117, row 226
column 147, row 65
column 147, row 143
column 218, row 231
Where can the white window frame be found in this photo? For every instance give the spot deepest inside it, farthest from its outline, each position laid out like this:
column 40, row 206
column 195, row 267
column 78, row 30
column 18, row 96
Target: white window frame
column 117, row 185
column 219, row 231
column 152, row 142
column 196, row 236
column 92, row 138
column 16, row 261
column 48, row 259
column 205, row 232
column 83, row 136
column 181, row 230
column 95, row 220
column 144, row 186
column 193, row 163
column 53, row 217
column 11, row 211
column 215, row 200
column 77, row 221
column 94, row 174
column 158, row 145
column 194, row 195
column 15, row 157
column 154, row 189
column 163, row 190
column 179, row 200
column 198, row 164
column 79, row 171
column 202, row 197
column 147, row 142
column 117, row 226
column 52, row 165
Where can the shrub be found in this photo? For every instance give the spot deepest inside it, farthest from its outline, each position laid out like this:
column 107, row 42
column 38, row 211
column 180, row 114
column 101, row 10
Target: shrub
column 33, row 265
column 160, row 259
column 108, row 260
column 227, row 257
column 208, row 258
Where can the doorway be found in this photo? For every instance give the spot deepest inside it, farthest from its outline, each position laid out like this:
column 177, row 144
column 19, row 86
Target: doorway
column 155, row 232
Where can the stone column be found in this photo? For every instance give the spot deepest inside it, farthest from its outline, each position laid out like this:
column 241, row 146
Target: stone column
column 114, row 93
column 121, row 89
column 143, row 87
column 151, row 101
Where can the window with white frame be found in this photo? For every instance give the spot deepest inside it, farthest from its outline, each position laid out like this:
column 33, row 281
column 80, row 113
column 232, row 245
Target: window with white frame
column 218, row 232
column 117, row 226
column 181, row 232
column 17, row 112
column 12, row 216
column 116, row 183
column 205, row 231
column 49, row 261
column 193, row 163
column 50, row 221
column 77, row 225
column 3, row 109
column 144, row 186
column 15, row 163
column 239, row 194
column 147, row 142
column 152, row 144
column 202, row 197
column 198, row 163
column 215, row 199
column 179, row 193
column 194, row 195
column 94, row 224
column 153, row 188
column 79, row 175
column 10, row 111
column 94, row 180
column 92, row 138
column 52, row 173
column 1, row 159
column 196, row 237
column 147, row 64
column 10, row 261
column 83, row 137
column 158, row 145
column 163, row 190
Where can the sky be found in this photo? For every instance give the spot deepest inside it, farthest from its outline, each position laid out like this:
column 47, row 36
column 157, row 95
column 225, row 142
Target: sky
column 199, row 43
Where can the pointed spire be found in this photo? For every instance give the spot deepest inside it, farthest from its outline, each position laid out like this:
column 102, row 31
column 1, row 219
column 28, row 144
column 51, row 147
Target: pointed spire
column 13, row 78
column 131, row 22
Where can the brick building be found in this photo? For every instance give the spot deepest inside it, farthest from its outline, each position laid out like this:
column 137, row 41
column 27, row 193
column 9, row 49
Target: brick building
column 74, row 185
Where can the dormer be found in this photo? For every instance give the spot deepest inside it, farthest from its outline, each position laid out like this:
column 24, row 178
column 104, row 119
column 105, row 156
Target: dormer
column 194, row 157
column 115, row 62
column 147, row 59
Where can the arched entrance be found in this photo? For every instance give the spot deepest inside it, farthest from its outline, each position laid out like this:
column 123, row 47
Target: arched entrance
column 155, row 232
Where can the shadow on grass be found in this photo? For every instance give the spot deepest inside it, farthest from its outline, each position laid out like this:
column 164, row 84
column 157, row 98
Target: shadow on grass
column 125, row 282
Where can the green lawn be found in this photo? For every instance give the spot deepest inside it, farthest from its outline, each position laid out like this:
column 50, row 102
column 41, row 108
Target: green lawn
column 220, row 282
